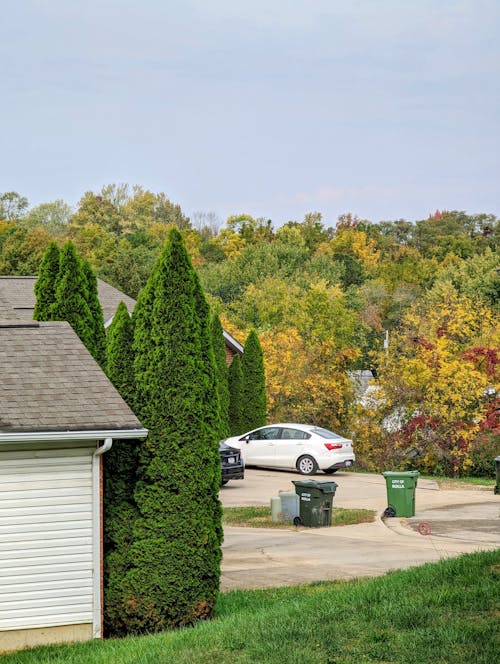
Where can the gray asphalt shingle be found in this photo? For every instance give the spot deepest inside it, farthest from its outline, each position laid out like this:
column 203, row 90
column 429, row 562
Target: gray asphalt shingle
column 17, row 298
column 50, row 382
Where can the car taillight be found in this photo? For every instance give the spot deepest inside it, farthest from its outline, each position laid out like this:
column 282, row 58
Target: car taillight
column 331, row 446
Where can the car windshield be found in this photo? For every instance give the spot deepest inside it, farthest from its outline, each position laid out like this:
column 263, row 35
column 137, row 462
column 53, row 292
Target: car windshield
column 324, row 433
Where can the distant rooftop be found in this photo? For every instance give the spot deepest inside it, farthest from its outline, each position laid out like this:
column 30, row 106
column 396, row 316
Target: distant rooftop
column 17, row 298
column 17, row 302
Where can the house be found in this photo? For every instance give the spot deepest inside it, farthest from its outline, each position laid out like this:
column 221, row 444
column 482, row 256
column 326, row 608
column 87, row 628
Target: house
column 17, row 301
column 59, row 414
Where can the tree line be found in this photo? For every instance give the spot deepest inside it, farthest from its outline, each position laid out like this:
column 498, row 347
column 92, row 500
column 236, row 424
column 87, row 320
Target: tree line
column 323, row 298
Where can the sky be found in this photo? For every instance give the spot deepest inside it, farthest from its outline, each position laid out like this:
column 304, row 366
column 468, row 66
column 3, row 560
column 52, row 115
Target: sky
column 388, row 109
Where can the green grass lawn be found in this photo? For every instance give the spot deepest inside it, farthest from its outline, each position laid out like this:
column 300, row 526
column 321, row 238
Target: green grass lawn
column 446, row 612
column 260, row 517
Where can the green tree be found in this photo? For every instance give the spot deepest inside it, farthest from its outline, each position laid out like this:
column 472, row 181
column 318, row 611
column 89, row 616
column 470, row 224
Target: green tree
column 235, row 384
column 120, row 354
column 71, row 297
column 120, row 466
column 95, row 209
column 22, row 250
column 253, row 392
column 219, row 348
column 54, row 217
column 130, row 268
column 98, row 349
column 12, row 205
column 174, row 566
column 45, row 286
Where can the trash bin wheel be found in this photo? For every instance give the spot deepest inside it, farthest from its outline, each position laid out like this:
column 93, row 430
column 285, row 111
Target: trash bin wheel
column 306, row 465
column 297, row 521
column 389, row 512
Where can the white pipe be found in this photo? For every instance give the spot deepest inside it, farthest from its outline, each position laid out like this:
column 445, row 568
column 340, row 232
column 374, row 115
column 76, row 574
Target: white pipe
column 105, row 447
column 97, row 535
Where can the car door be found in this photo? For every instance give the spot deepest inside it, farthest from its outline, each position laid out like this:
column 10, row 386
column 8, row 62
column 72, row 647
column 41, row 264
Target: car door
column 290, row 446
column 259, row 447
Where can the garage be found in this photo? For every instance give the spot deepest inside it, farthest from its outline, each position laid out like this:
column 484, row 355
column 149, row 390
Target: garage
column 46, row 558
column 59, row 415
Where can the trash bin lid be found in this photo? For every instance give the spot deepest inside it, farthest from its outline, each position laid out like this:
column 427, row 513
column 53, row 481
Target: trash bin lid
column 325, row 487
column 401, row 473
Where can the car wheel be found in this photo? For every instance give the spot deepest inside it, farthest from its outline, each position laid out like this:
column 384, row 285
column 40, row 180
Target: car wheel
column 330, row 471
column 306, row 465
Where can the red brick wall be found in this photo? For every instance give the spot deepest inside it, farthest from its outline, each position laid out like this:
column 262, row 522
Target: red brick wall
column 229, row 355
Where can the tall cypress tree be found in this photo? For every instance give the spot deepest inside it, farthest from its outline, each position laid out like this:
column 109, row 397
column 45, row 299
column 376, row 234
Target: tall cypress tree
column 174, row 567
column 120, row 354
column 71, row 297
column 219, row 348
column 99, row 334
column 45, row 285
column 235, row 384
column 253, row 392
column 120, row 469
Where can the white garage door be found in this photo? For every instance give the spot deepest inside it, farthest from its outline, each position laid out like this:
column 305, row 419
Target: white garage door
column 45, row 538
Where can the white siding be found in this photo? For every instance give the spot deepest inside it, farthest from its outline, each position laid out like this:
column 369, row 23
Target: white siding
column 46, row 554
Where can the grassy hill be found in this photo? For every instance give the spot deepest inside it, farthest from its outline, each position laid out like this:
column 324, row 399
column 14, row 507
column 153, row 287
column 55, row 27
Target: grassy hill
column 445, row 612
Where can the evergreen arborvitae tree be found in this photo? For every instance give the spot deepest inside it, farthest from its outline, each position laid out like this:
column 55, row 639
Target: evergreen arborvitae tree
column 173, row 571
column 71, row 297
column 99, row 333
column 120, row 467
column 253, row 391
column 120, row 354
column 235, row 384
column 219, row 348
column 45, row 284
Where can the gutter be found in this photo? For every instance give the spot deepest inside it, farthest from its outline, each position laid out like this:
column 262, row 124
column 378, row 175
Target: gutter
column 68, row 436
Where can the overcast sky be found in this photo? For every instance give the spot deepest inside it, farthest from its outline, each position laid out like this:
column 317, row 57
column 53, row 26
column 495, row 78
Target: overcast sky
column 385, row 108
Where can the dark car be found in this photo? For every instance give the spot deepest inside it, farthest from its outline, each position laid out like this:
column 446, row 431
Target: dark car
column 232, row 464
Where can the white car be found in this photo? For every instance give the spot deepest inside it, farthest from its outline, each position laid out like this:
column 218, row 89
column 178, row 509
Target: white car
column 303, row 447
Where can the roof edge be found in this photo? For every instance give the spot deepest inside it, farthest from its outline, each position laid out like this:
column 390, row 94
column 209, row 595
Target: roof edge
column 231, row 341
column 63, row 436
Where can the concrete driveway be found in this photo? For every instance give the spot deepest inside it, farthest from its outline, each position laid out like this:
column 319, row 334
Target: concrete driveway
column 455, row 521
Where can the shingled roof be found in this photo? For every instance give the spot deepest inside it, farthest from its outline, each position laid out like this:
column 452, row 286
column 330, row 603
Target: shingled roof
column 17, row 298
column 50, row 382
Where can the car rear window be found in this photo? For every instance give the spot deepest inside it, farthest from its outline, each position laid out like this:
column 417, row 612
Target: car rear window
column 294, row 434
column 324, row 433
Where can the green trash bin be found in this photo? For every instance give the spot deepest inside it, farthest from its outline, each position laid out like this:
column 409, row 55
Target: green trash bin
column 315, row 503
column 401, row 488
column 497, row 471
